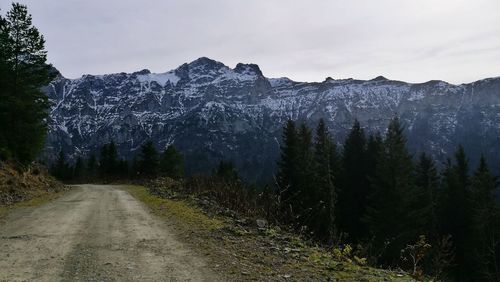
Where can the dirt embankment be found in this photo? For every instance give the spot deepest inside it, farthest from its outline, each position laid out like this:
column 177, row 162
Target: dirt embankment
column 19, row 184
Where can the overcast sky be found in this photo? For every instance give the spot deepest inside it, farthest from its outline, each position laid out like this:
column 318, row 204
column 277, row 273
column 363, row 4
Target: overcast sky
column 415, row 40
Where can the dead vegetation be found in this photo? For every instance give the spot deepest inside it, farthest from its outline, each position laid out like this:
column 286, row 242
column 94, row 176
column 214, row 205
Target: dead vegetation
column 19, row 184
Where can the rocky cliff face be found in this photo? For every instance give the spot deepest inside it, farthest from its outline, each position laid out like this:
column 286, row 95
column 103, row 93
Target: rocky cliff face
column 210, row 112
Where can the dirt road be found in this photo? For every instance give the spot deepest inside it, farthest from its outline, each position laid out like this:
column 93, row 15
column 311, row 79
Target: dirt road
column 94, row 233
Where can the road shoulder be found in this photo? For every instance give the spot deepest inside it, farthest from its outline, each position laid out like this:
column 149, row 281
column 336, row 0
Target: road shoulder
column 38, row 200
column 239, row 251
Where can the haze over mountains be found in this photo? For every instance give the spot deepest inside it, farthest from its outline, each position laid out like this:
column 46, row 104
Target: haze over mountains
column 211, row 112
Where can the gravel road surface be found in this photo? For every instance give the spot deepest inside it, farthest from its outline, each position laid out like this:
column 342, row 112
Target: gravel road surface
column 94, row 233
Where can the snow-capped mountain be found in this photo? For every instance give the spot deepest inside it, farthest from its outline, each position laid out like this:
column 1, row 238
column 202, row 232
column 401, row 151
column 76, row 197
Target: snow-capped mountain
column 213, row 112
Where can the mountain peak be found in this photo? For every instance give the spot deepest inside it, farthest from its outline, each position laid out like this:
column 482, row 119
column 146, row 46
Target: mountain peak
column 248, row 69
column 144, row 71
column 206, row 63
column 379, row 78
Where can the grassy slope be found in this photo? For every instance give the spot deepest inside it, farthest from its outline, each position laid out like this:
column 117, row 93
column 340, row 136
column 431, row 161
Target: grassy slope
column 245, row 253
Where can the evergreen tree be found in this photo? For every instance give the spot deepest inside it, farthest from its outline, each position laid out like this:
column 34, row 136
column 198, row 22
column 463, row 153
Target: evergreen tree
column 122, row 168
column 455, row 214
column 148, row 160
column 5, row 96
column 304, row 205
column 335, row 166
column 288, row 170
column 374, row 151
column 227, row 171
column 91, row 167
column 374, row 148
column 103, row 161
column 134, row 168
column 171, row 163
column 387, row 215
column 78, row 169
column 108, row 161
column 112, row 159
column 423, row 201
column 61, row 169
column 354, row 189
column 23, row 72
column 324, row 193
column 485, row 232
column 462, row 168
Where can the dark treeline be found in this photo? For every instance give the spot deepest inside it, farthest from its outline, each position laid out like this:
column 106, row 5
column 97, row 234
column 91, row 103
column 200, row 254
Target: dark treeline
column 109, row 166
column 402, row 210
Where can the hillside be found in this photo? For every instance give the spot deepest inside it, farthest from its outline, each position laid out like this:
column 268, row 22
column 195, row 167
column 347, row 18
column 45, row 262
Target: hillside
column 17, row 185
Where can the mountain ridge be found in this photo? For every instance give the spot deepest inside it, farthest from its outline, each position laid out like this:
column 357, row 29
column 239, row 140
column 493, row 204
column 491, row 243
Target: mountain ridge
column 211, row 111
column 377, row 78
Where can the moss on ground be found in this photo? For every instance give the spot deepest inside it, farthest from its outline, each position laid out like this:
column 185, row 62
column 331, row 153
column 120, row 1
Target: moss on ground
column 176, row 210
column 39, row 199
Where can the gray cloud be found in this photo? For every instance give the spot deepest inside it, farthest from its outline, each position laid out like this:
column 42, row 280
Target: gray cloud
column 453, row 40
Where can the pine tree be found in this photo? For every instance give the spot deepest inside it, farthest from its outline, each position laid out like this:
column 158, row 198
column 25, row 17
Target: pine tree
column 354, row 185
column 112, row 159
column 104, row 161
column 134, row 168
column 5, row 71
column 423, row 200
column 171, row 163
column 374, row 149
column 23, row 71
column 335, row 166
column 61, row 169
column 304, row 205
column 91, row 167
column 462, row 169
column 148, row 160
column 484, row 230
column 387, row 215
column 455, row 213
column 287, row 170
column 108, row 161
column 122, row 168
column 78, row 169
column 227, row 171
column 324, row 194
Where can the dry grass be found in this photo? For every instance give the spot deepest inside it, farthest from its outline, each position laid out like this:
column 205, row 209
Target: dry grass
column 26, row 187
column 19, row 184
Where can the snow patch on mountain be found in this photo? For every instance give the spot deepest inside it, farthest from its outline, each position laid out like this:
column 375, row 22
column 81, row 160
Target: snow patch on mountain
column 160, row 78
